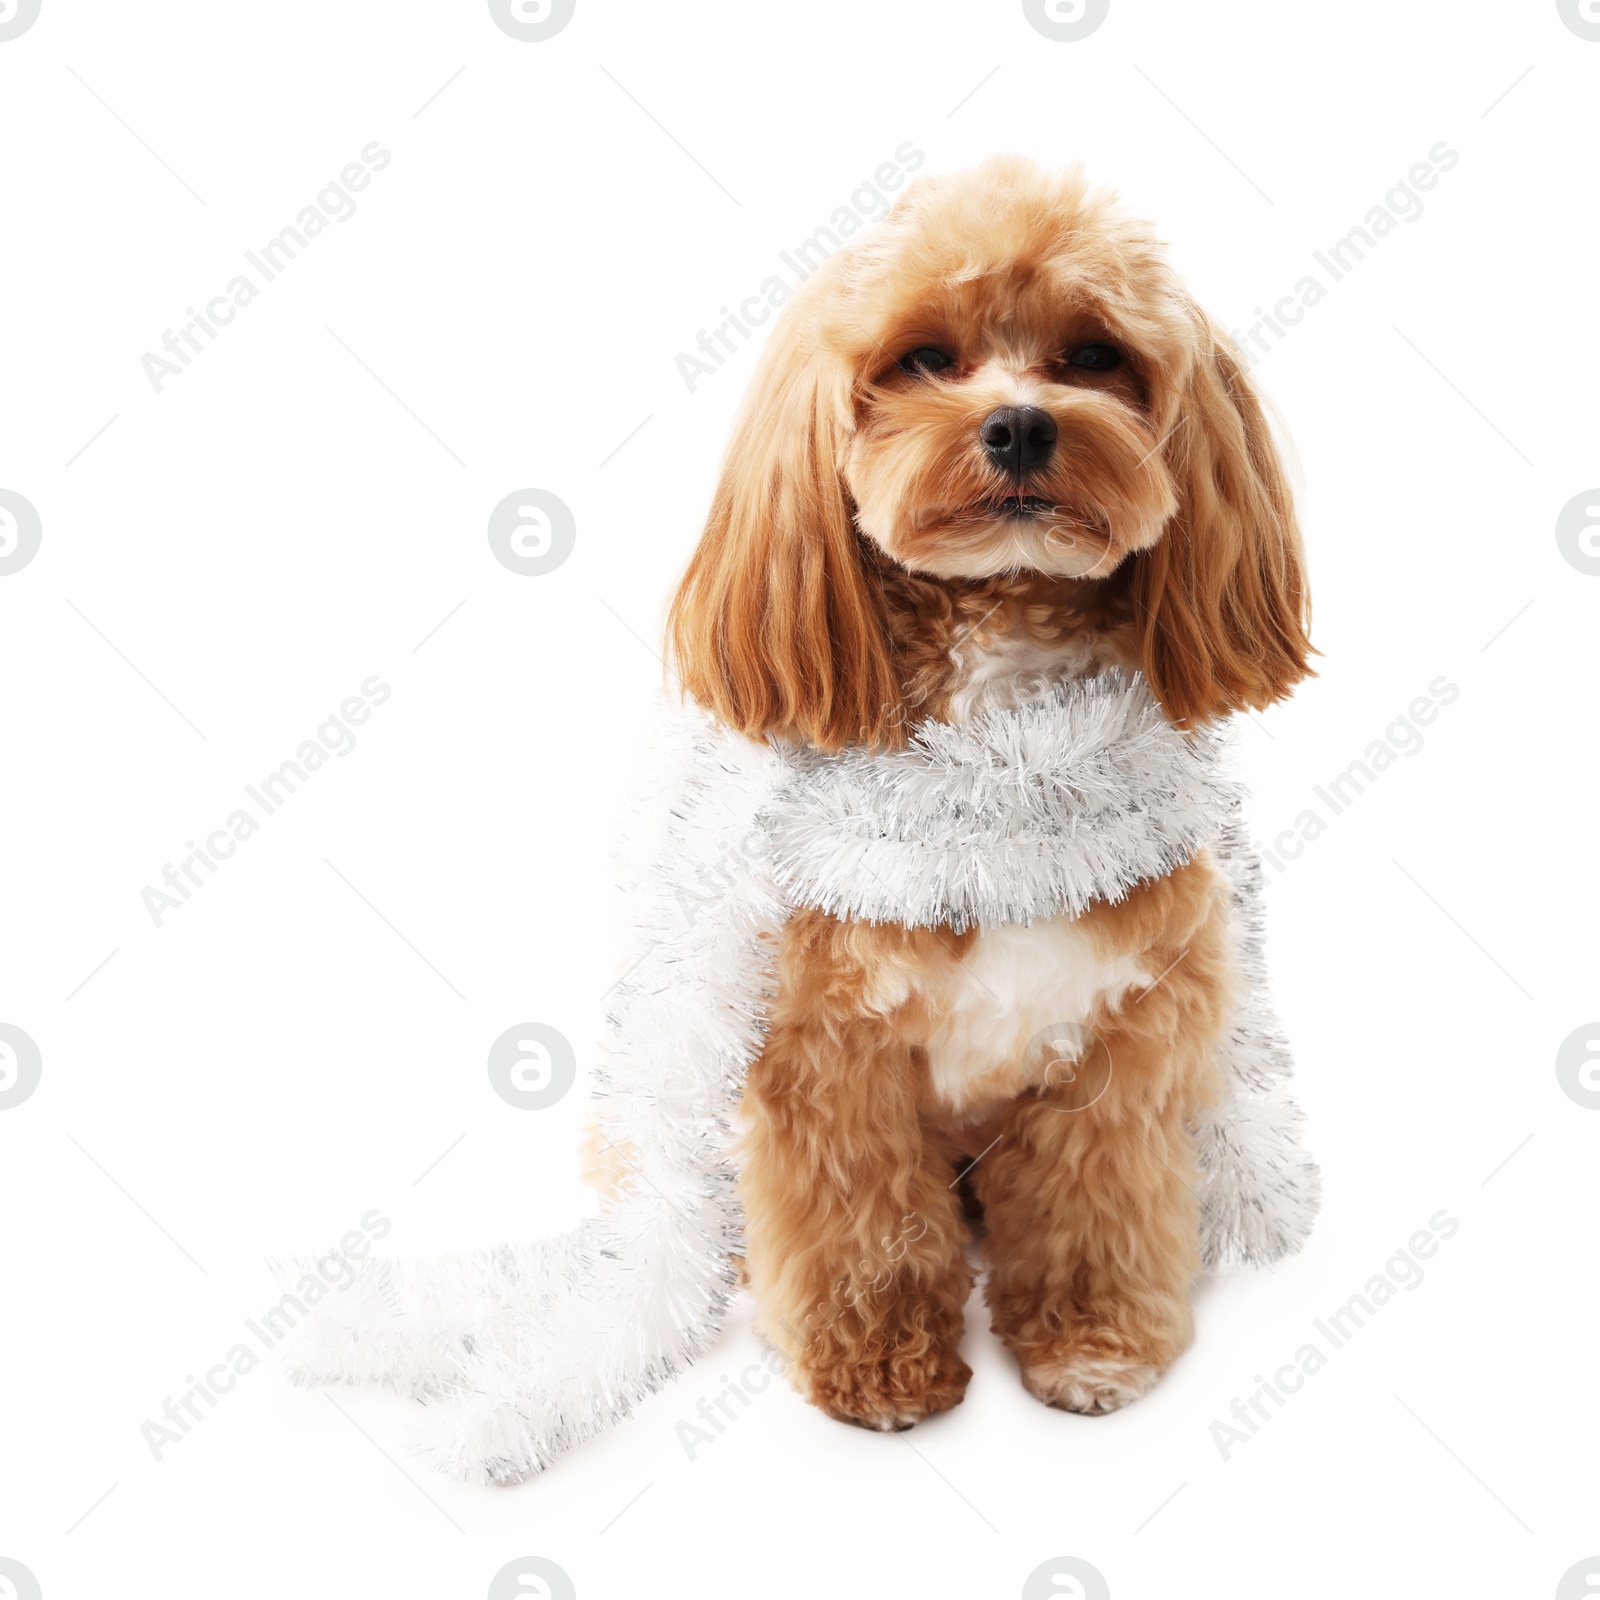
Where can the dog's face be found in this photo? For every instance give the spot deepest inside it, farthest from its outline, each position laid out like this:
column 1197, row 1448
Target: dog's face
column 1004, row 376
column 1016, row 356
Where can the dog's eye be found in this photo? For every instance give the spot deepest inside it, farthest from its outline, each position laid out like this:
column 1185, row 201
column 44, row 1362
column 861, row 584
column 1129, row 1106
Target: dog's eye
column 1096, row 357
column 925, row 358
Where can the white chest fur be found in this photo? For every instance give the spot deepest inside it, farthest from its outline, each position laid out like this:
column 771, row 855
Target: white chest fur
column 1017, row 1001
column 1007, row 671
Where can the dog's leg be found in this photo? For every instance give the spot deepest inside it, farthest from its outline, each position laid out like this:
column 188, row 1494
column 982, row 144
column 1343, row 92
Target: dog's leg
column 1089, row 1193
column 853, row 1230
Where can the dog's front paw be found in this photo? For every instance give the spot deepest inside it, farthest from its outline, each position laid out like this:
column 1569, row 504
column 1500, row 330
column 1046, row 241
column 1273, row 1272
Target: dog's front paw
column 1087, row 1378
column 887, row 1392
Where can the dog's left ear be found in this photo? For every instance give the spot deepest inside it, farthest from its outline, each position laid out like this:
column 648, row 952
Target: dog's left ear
column 1221, row 598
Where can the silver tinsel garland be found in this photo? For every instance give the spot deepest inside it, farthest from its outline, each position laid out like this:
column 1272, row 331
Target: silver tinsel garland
column 524, row 1350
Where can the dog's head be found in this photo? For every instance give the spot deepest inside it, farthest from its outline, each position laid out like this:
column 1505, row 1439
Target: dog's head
column 1003, row 376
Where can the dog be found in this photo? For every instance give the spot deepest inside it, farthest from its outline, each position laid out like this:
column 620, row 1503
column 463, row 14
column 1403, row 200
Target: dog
column 990, row 446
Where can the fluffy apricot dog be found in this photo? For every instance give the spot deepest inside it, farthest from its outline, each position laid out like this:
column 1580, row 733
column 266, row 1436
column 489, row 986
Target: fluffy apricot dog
column 991, row 446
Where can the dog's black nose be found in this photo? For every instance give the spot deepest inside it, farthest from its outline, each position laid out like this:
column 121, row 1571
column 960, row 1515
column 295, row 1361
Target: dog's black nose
column 1018, row 439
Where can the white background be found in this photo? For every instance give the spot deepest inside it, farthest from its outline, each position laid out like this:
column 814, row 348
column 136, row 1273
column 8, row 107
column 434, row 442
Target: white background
column 229, row 559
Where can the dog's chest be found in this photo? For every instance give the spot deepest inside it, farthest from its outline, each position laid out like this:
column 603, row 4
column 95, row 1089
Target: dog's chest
column 1015, row 1007
column 1019, row 1000
column 1003, row 671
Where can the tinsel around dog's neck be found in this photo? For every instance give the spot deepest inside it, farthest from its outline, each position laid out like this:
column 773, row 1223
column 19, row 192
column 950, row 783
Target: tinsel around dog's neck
column 1016, row 815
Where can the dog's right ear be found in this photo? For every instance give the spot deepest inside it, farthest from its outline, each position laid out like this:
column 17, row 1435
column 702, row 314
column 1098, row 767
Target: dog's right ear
column 777, row 628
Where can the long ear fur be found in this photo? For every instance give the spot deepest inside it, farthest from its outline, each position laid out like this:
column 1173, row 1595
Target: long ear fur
column 1221, row 598
column 776, row 627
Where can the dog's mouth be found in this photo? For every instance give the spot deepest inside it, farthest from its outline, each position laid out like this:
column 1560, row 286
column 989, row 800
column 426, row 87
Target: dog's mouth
column 1016, row 532
column 1052, row 517
column 1029, row 506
